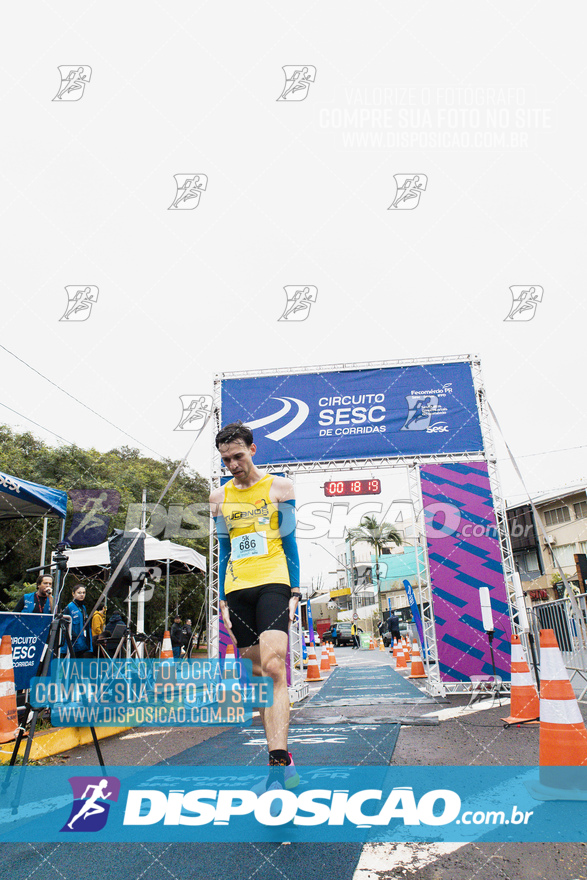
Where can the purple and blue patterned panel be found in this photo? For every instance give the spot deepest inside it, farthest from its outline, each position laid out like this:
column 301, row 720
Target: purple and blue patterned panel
column 224, row 640
column 464, row 555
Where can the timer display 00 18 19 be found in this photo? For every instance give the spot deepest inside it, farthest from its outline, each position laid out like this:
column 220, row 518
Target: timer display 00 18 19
column 352, row 487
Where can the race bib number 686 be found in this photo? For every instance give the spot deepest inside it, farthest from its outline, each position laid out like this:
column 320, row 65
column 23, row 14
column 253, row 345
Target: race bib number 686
column 243, row 546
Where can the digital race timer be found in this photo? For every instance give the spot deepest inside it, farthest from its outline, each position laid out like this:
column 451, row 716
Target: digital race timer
column 352, row 487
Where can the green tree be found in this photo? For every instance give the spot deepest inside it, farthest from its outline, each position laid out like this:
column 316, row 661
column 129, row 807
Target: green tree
column 378, row 534
column 70, row 467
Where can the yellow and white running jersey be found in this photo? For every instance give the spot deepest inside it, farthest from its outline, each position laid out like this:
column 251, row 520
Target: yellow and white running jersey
column 256, row 551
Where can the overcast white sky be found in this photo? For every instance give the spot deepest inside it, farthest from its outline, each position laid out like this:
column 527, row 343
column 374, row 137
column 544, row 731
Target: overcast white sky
column 294, row 197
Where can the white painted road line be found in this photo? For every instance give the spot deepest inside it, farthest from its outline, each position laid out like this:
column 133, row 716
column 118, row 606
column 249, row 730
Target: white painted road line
column 143, row 733
column 462, row 711
column 34, row 808
column 378, row 859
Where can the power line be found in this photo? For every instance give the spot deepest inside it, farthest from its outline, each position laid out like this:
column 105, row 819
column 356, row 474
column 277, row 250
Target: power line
column 546, row 452
column 26, row 418
column 570, row 488
column 77, row 400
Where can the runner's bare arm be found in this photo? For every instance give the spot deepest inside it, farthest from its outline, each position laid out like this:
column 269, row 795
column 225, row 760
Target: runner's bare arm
column 282, row 492
column 216, row 500
column 282, row 489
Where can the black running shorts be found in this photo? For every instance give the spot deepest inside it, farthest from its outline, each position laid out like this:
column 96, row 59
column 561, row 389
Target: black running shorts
column 256, row 609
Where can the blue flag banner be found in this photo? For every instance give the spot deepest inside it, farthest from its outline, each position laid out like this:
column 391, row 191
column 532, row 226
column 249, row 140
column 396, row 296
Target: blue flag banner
column 415, row 612
column 304, row 652
column 366, row 803
column 310, row 622
column 29, row 635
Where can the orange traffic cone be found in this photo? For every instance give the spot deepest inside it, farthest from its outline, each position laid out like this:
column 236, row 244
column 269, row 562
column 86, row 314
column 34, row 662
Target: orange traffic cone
column 324, row 660
column 166, row 649
column 395, row 649
column 525, row 705
column 400, row 662
column 230, row 665
column 563, row 737
column 8, row 713
column 417, row 670
column 313, row 673
column 371, row 643
column 331, row 656
column 381, row 645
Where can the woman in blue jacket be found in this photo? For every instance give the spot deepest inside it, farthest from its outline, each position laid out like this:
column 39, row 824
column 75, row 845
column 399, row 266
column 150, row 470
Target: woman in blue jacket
column 82, row 641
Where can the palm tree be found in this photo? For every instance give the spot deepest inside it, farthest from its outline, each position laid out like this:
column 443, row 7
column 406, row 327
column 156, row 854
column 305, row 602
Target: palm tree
column 378, row 535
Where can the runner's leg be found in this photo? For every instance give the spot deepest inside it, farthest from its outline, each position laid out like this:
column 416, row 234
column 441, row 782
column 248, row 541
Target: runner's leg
column 273, row 645
column 268, row 659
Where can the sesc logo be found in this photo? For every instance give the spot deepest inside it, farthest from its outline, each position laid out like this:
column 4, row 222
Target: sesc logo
column 441, row 427
column 296, row 417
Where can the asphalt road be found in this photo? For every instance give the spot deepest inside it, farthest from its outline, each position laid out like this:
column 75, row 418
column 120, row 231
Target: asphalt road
column 476, row 739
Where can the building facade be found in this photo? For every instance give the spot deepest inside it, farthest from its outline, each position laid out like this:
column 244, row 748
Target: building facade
column 563, row 516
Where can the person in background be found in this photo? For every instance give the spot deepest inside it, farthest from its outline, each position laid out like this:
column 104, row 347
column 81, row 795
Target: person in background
column 176, row 637
column 393, row 627
column 40, row 602
column 187, row 636
column 98, row 624
column 81, row 638
column 105, row 639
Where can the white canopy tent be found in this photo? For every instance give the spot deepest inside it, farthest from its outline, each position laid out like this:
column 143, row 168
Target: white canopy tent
column 155, row 551
column 176, row 558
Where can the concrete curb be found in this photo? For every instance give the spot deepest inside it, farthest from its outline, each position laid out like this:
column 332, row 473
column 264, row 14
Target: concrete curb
column 58, row 740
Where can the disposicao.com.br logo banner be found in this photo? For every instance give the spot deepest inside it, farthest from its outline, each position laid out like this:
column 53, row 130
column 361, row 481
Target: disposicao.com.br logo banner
column 231, row 804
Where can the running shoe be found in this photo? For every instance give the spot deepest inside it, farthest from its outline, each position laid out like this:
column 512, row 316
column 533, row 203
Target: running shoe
column 291, row 775
column 290, row 778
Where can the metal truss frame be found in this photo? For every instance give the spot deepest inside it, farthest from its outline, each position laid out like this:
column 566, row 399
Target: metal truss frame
column 413, row 464
column 434, row 684
column 499, row 506
column 371, row 464
column 340, row 368
column 299, row 687
column 212, row 605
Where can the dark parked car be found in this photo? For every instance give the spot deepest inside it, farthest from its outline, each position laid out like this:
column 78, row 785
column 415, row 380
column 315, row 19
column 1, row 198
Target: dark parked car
column 343, row 635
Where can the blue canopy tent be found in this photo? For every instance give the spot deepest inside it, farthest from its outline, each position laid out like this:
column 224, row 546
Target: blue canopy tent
column 20, row 498
column 23, row 499
column 26, row 500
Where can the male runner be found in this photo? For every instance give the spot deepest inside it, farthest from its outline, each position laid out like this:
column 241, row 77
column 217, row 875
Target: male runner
column 259, row 579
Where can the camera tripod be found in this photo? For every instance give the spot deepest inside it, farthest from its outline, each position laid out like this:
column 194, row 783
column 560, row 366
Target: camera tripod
column 59, row 624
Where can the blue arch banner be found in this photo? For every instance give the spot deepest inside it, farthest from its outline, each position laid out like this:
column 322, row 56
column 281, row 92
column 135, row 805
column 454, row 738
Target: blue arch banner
column 421, row 409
